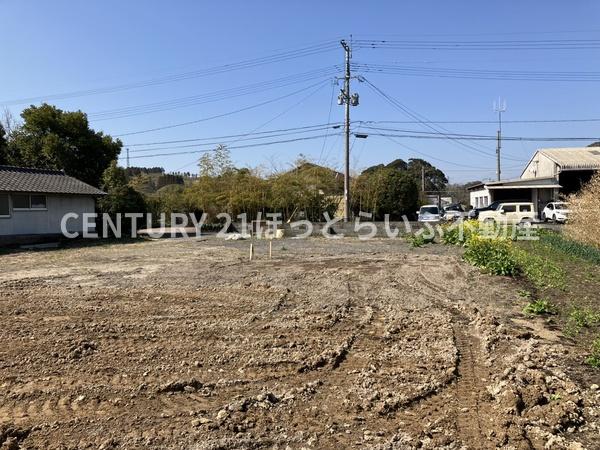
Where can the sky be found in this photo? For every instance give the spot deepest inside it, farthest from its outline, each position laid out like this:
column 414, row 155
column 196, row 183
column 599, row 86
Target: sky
column 238, row 68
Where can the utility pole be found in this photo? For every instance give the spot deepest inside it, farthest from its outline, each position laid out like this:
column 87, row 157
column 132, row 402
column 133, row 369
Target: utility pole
column 499, row 107
column 348, row 100
column 128, row 158
column 423, row 179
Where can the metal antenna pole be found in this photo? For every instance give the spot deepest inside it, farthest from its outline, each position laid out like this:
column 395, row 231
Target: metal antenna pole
column 499, row 107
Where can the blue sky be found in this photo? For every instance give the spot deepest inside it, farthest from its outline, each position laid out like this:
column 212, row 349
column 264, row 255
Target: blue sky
column 71, row 46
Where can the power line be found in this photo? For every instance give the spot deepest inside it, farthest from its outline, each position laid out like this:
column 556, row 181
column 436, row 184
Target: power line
column 191, row 122
column 241, row 138
column 423, row 120
column 251, row 133
column 488, row 138
column 220, row 95
column 478, row 74
column 310, row 50
column 285, row 141
column 285, row 111
column 483, row 121
column 547, row 44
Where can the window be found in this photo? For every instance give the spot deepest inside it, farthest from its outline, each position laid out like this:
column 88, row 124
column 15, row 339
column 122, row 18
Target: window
column 4, row 205
column 509, row 208
column 28, row 201
column 38, row 202
column 20, row 201
column 525, row 208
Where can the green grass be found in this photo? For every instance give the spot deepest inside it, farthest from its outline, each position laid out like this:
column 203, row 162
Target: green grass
column 540, row 270
column 569, row 247
column 594, row 358
column 579, row 319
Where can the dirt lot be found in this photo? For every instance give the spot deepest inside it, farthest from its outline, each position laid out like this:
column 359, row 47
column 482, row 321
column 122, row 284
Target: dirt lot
column 331, row 344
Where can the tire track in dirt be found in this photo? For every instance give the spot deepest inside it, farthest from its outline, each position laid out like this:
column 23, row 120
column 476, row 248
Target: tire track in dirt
column 462, row 402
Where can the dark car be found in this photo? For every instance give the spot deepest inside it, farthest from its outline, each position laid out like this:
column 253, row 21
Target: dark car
column 474, row 213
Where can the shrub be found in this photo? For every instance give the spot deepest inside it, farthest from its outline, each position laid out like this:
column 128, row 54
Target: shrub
column 585, row 213
column 418, row 240
column 459, row 233
column 494, row 256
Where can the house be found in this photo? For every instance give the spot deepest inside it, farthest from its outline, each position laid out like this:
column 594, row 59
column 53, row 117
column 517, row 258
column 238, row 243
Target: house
column 34, row 201
column 551, row 172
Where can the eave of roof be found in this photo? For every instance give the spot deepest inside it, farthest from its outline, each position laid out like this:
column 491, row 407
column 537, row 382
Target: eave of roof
column 46, row 181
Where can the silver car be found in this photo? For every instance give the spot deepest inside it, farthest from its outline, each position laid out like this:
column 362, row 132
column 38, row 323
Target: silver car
column 429, row 213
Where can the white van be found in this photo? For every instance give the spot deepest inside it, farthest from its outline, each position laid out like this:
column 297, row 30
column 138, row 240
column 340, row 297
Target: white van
column 510, row 213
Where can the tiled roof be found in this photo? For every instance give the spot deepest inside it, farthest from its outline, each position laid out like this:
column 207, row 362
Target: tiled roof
column 23, row 179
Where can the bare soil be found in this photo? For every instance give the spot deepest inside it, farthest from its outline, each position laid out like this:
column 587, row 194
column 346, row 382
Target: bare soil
column 330, row 344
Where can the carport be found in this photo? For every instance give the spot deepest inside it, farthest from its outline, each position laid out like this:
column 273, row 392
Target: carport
column 538, row 191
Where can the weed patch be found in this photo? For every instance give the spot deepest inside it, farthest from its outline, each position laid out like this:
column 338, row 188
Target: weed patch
column 594, row 358
column 538, row 307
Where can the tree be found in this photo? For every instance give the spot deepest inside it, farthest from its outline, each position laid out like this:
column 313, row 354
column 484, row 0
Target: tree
column 121, row 197
column 168, row 179
column 215, row 163
column 3, row 146
column 385, row 191
column 56, row 139
column 435, row 180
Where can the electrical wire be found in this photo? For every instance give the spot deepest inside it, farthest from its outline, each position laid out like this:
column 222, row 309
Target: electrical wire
column 216, row 96
column 302, row 52
column 547, row 44
column 250, row 133
column 261, row 144
column 255, row 131
column 507, row 75
column 426, row 122
column 191, row 122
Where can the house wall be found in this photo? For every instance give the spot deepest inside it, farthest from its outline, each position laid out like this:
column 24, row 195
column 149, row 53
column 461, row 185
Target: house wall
column 480, row 198
column 48, row 221
column 540, row 167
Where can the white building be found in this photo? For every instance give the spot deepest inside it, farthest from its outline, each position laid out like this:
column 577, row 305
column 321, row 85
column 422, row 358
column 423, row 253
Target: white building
column 34, row 201
column 551, row 172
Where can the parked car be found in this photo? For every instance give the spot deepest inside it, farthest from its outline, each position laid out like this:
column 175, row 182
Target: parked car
column 556, row 211
column 510, row 213
column 474, row 213
column 454, row 212
column 429, row 213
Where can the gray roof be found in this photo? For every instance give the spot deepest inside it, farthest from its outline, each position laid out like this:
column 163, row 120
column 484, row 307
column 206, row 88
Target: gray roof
column 574, row 158
column 24, row 179
column 524, row 183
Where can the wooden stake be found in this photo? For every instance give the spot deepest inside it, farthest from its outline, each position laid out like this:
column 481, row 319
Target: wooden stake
column 270, row 249
column 251, row 251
